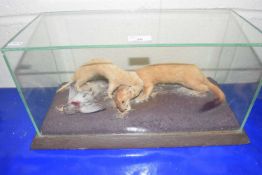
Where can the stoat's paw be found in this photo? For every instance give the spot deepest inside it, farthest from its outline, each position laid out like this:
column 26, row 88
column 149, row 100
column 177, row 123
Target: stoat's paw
column 141, row 99
column 122, row 115
column 154, row 94
column 138, row 101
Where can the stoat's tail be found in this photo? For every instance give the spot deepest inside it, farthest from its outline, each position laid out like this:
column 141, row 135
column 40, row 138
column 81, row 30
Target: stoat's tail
column 217, row 91
column 220, row 96
column 62, row 88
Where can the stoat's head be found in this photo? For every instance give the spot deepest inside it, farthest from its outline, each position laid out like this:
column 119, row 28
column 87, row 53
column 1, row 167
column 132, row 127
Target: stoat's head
column 122, row 97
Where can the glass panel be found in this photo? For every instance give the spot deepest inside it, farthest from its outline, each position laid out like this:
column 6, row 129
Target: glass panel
column 36, row 78
column 40, row 73
column 137, row 29
column 221, row 43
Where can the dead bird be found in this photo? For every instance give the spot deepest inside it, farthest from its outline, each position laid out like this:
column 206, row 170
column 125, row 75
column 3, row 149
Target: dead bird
column 83, row 102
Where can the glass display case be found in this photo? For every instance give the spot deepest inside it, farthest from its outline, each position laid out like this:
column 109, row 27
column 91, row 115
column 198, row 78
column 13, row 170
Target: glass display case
column 222, row 45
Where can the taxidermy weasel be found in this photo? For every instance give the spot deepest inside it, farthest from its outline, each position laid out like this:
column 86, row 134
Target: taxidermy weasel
column 188, row 75
column 115, row 76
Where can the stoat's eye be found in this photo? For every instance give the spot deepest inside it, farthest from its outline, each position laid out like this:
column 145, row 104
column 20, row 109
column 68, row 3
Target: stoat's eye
column 123, row 102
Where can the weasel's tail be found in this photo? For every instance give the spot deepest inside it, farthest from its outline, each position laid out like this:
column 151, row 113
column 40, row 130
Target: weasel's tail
column 220, row 96
column 217, row 91
column 62, row 88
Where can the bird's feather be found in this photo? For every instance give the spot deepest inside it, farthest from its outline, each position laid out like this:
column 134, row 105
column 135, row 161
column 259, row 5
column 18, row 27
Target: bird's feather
column 91, row 107
column 85, row 100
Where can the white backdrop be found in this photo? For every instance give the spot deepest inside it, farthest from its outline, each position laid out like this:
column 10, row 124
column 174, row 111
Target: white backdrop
column 15, row 14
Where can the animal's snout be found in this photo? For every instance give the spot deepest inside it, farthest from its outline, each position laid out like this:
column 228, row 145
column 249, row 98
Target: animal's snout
column 122, row 109
column 121, row 105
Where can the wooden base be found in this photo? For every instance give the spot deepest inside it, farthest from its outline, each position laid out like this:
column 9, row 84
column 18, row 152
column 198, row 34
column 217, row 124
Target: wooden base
column 142, row 140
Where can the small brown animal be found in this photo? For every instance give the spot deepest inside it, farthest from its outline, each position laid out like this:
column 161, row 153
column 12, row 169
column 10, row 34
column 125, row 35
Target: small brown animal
column 188, row 75
column 122, row 97
column 115, row 76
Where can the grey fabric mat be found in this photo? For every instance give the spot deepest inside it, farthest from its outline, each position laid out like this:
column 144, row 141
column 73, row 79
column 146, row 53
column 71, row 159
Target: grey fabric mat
column 173, row 109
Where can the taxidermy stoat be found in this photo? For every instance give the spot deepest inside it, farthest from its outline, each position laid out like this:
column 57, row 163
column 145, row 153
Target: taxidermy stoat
column 188, row 75
column 115, row 76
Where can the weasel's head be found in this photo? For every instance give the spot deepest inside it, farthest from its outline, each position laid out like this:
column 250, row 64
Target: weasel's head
column 122, row 97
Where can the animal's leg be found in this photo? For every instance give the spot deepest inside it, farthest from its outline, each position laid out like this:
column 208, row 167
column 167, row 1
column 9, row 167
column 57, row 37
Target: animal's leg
column 198, row 86
column 110, row 90
column 147, row 90
column 82, row 78
column 79, row 83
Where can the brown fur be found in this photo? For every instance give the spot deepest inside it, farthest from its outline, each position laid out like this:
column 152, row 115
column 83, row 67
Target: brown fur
column 115, row 76
column 187, row 75
column 122, row 97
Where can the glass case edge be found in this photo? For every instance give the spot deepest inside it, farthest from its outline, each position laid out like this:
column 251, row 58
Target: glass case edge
column 134, row 46
column 20, row 31
column 243, row 18
column 251, row 104
column 177, row 133
column 230, row 10
column 21, row 95
column 136, row 10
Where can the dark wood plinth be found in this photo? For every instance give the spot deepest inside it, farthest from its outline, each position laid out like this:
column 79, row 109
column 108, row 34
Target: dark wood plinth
column 106, row 141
